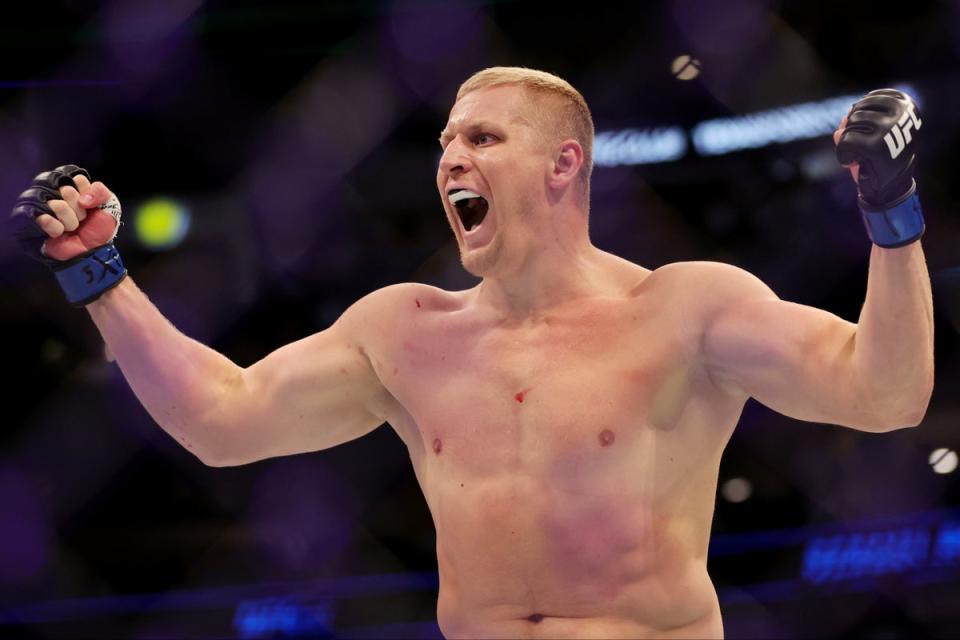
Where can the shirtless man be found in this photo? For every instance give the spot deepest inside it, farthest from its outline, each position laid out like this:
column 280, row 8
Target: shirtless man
column 565, row 417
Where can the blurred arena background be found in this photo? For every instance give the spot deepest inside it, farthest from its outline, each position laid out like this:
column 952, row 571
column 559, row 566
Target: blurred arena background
column 276, row 161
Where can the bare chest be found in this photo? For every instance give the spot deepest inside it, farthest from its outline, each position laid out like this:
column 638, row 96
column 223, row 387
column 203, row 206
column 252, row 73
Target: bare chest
column 567, row 398
column 554, row 456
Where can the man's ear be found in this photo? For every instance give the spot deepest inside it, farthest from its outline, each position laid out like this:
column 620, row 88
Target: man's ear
column 566, row 164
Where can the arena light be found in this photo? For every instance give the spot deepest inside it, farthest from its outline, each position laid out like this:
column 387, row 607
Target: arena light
column 775, row 126
column 718, row 136
column 685, row 67
column 943, row 461
column 736, row 490
column 161, row 223
column 281, row 617
column 639, row 146
column 858, row 555
column 946, row 552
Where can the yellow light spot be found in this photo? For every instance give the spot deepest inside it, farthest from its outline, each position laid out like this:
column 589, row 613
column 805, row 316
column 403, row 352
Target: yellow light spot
column 161, row 223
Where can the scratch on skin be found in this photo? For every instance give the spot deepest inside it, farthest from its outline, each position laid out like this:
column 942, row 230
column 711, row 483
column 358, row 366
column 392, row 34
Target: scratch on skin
column 437, row 446
column 520, row 396
column 417, row 300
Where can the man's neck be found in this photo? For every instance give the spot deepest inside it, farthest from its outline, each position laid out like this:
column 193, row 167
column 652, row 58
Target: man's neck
column 550, row 278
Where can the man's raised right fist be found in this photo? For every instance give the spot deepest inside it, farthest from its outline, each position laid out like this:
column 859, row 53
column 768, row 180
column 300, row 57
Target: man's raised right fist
column 69, row 224
column 59, row 216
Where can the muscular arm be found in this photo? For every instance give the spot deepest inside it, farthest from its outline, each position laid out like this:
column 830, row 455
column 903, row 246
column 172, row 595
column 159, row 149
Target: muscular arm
column 875, row 375
column 309, row 395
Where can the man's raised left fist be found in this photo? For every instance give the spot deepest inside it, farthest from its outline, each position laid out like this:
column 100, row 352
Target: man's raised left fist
column 880, row 135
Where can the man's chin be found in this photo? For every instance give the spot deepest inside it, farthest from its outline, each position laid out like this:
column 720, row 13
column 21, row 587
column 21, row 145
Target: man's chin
column 481, row 262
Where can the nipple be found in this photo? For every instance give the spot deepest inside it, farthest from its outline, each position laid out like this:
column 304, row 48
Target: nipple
column 606, row 438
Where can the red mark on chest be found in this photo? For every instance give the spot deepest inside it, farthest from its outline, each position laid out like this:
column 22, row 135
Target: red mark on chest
column 437, row 446
column 606, row 438
column 343, row 371
column 362, row 351
column 396, row 371
column 418, row 303
column 520, row 396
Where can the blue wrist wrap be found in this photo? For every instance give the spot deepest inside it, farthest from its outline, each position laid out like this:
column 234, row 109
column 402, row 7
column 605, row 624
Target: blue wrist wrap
column 896, row 225
column 88, row 276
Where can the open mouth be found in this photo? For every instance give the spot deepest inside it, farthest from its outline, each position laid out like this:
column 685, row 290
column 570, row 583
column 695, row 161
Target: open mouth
column 471, row 207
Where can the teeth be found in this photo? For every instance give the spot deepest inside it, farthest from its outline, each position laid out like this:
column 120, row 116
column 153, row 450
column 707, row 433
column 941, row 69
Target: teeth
column 462, row 194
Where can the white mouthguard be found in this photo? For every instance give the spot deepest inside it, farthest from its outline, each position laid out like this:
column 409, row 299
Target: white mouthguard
column 463, row 194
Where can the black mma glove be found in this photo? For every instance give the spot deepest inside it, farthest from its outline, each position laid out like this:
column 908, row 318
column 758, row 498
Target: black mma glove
column 83, row 277
column 880, row 135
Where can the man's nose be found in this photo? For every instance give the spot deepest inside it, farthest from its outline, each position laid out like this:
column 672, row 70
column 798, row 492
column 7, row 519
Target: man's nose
column 455, row 160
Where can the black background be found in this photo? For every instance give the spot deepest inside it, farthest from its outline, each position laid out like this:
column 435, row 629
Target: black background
column 302, row 136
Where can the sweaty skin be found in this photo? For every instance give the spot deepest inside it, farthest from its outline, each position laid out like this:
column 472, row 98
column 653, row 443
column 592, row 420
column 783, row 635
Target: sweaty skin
column 578, row 404
column 585, row 509
column 576, row 438
column 566, row 417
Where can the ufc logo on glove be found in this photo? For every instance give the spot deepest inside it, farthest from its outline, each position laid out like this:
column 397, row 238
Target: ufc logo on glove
column 899, row 136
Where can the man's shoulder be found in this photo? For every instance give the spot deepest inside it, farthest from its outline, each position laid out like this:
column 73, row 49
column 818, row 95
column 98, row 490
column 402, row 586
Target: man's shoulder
column 397, row 301
column 707, row 273
column 710, row 284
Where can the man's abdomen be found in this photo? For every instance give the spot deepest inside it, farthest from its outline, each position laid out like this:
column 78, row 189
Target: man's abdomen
column 663, row 607
column 537, row 562
column 481, row 626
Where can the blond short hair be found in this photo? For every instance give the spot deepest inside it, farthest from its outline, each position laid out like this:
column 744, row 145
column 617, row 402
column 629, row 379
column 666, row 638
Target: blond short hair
column 570, row 119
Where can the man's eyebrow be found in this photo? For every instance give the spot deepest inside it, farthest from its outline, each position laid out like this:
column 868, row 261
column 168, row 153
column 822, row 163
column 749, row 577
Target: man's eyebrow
column 475, row 126
column 483, row 125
